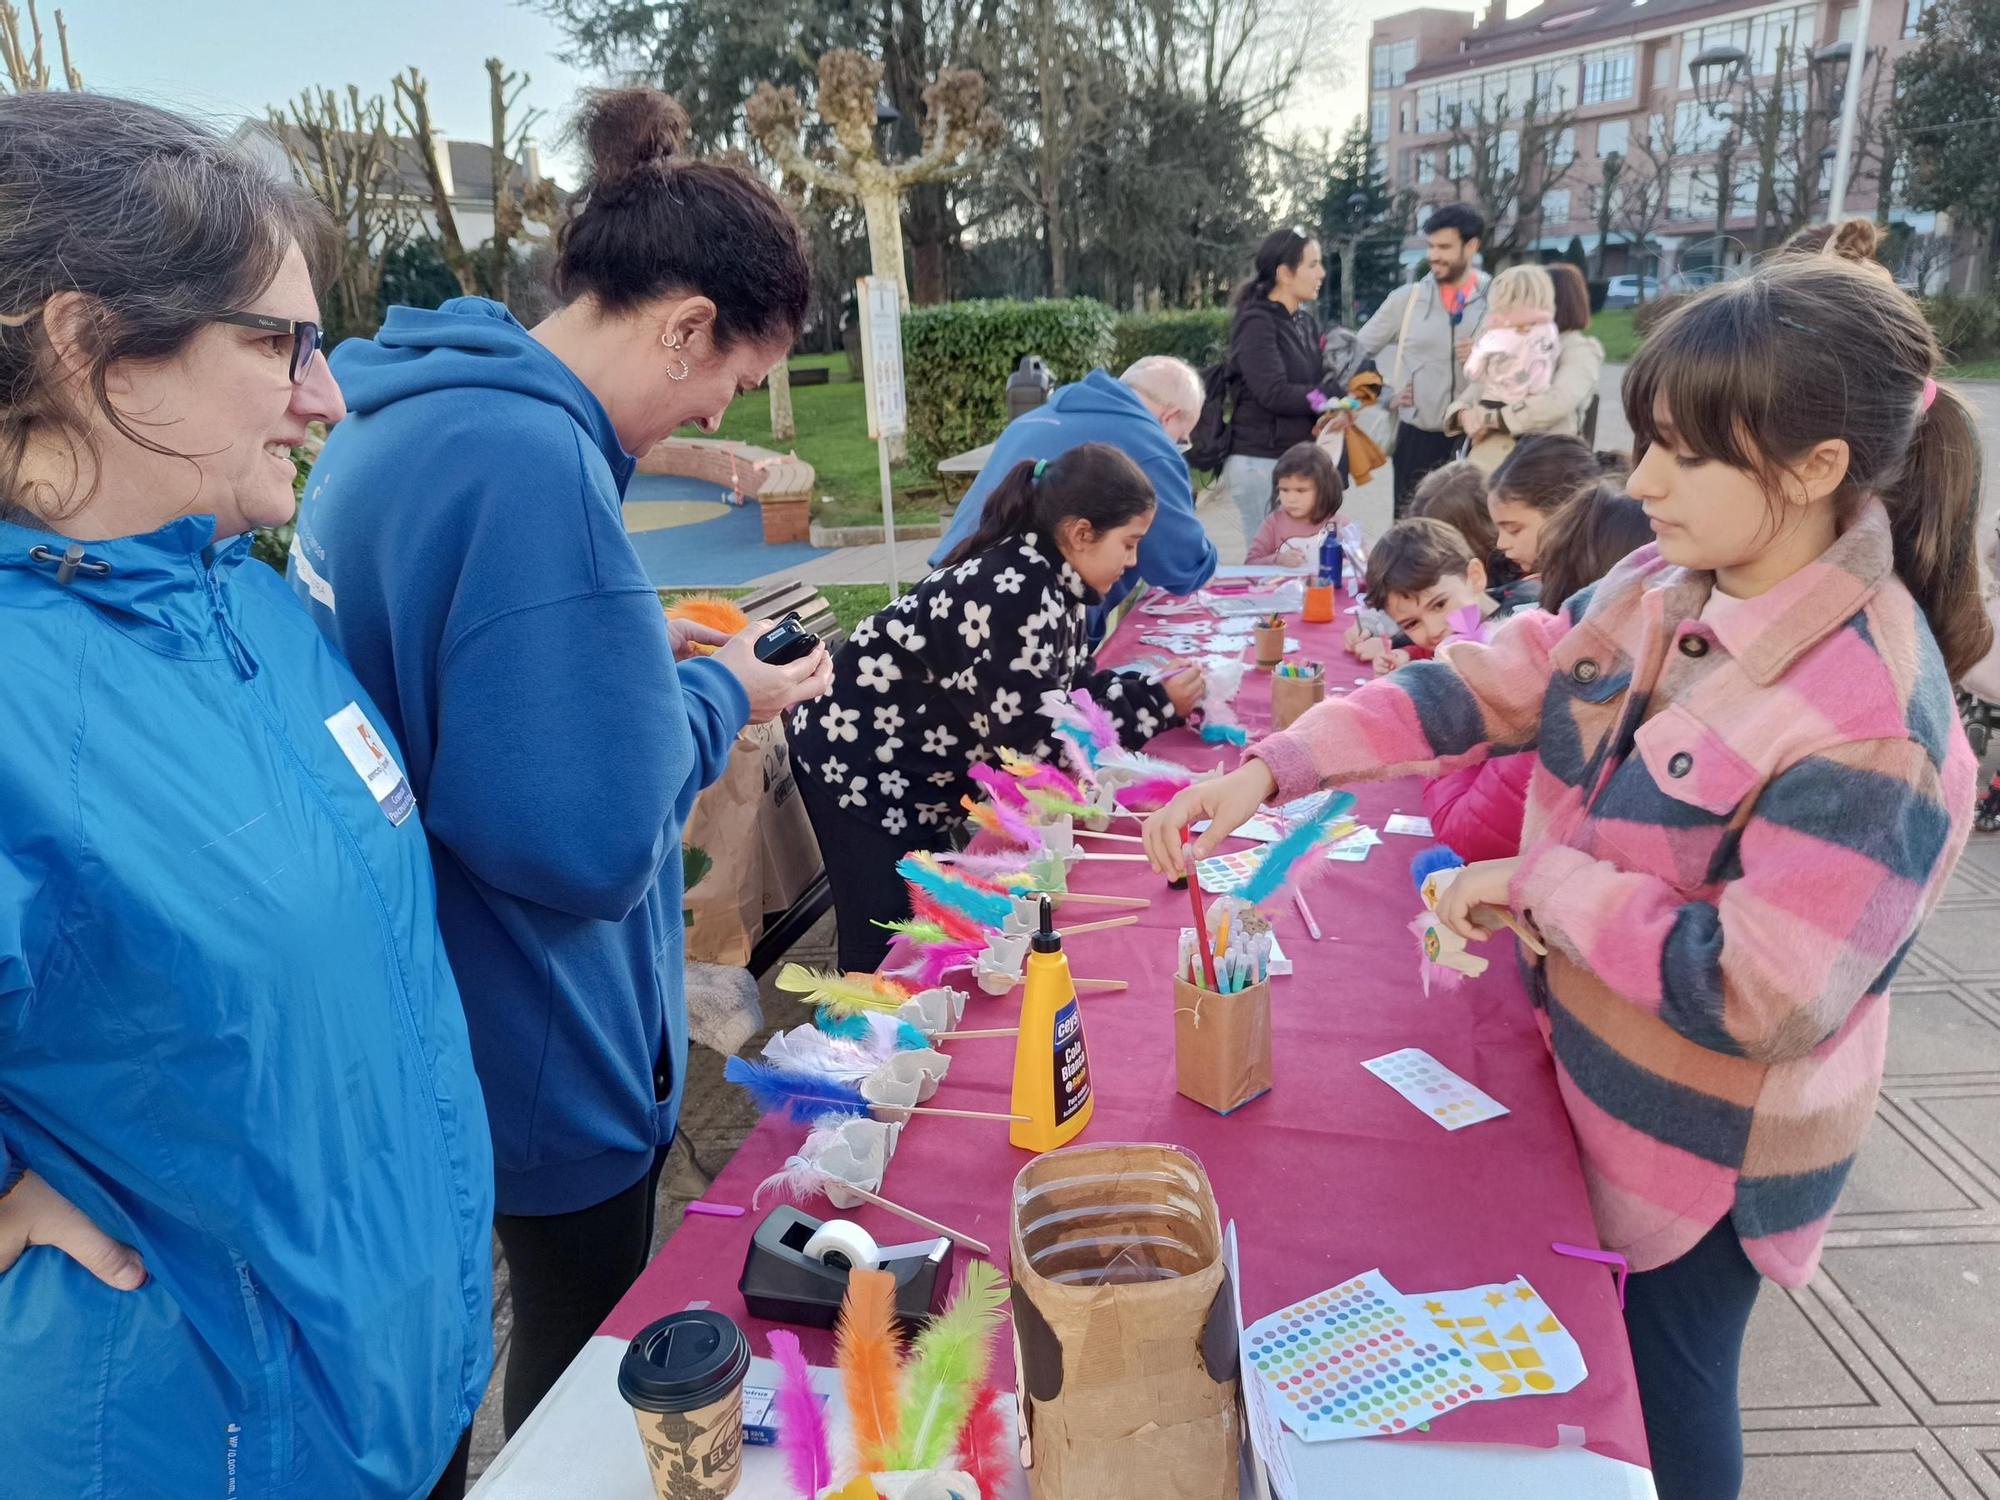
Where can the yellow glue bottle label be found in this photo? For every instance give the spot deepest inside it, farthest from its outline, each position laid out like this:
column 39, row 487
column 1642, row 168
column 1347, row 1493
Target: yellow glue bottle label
column 1051, row 1068
column 1072, row 1092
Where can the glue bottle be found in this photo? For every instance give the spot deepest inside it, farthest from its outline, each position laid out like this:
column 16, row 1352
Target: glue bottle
column 1051, row 1069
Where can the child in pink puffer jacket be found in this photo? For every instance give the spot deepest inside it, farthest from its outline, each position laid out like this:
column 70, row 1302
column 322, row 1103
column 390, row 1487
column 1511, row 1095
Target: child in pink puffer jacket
column 1516, row 355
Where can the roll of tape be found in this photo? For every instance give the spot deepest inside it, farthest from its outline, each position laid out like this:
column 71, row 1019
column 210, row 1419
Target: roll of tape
column 843, row 1245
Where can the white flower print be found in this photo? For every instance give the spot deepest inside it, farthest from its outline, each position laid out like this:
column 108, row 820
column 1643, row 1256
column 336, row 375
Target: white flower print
column 886, row 751
column 893, row 821
column 1006, row 705
column 981, row 726
column 965, row 570
column 942, row 778
column 864, row 632
column 801, row 716
column 958, row 682
column 856, row 794
column 877, row 672
column 940, row 605
column 1030, row 547
column 1111, row 694
column 905, row 604
column 833, row 770
column 979, row 755
column 888, row 718
column 893, row 783
column 839, row 722
column 976, row 625
column 905, row 635
column 938, row 739
column 931, row 812
column 1146, row 723
column 1008, row 581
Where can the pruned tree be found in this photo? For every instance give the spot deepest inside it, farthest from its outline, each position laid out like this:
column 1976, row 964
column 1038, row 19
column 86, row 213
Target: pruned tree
column 1604, row 207
column 340, row 148
column 513, row 204
column 26, row 63
column 1505, row 162
column 958, row 127
column 1646, row 185
column 413, row 109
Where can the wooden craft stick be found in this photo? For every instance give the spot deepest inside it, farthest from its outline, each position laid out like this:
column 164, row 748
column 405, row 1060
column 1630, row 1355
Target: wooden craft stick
column 955, row 1036
column 1100, row 926
column 1521, row 930
column 1123, row 858
column 866, row 1196
column 1100, row 833
column 955, row 1114
column 1106, row 985
column 1086, row 898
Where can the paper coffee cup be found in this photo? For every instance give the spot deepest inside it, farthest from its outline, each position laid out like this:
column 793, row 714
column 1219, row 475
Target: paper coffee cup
column 683, row 1378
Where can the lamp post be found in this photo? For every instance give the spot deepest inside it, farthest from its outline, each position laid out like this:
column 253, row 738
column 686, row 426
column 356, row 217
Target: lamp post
column 1715, row 72
column 1850, row 114
column 1357, row 208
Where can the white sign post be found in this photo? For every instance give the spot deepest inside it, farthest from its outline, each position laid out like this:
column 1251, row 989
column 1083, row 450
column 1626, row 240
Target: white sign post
column 881, row 303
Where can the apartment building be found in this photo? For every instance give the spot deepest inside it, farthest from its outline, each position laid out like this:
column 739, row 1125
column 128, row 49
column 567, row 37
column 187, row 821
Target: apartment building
column 1683, row 95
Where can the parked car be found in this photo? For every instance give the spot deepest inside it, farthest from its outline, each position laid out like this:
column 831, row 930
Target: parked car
column 1629, row 291
column 1695, row 278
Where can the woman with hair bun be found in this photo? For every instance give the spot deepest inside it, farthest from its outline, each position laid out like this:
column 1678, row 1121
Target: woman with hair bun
column 462, row 539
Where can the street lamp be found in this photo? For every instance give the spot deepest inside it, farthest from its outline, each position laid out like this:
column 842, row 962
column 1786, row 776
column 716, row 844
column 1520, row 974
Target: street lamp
column 1357, row 213
column 886, row 118
column 1829, row 70
column 1715, row 71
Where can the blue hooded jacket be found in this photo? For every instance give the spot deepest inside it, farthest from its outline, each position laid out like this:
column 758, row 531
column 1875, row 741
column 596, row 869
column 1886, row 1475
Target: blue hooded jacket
column 463, row 540
column 229, row 1035
column 1175, row 554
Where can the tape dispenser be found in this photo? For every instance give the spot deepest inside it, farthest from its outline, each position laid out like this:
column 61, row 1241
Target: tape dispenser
column 797, row 1265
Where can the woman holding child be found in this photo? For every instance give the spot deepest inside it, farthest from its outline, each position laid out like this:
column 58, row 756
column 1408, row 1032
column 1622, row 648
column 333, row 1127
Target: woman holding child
column 1491, row 418
column 1752, row 787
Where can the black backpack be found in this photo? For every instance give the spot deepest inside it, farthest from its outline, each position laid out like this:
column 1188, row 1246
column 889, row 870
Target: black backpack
column 1210, row 442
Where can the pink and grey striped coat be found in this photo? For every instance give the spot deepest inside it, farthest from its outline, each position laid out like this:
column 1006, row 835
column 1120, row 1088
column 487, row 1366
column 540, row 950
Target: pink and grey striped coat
column 1732, row 837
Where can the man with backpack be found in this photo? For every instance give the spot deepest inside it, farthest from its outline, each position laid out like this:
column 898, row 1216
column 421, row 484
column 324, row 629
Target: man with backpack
column 1146, row 414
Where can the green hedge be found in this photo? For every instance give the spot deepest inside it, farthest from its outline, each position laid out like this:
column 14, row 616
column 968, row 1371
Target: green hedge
column 1198, row 337
column 1968, row 328
column 957, row 357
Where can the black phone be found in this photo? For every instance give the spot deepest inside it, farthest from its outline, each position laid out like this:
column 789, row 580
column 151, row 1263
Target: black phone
column 786, row 641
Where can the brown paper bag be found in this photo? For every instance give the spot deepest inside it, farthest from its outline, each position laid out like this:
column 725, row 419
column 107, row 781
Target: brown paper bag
column 752, row 825
column 1270, row 643
column 1292, row 696
column 1124, row 1327
column 1222, row 1044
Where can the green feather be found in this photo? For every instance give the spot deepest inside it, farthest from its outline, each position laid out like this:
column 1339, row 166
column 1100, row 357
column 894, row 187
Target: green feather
column 947, row 1366
column 925, row 934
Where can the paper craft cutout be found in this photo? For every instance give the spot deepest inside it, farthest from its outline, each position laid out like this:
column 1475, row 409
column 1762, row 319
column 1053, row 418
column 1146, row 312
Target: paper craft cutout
column 1509, row 1331
column 1412, row 825
column 1355, row 1361
column 1434, row 1088
column 1353, row 848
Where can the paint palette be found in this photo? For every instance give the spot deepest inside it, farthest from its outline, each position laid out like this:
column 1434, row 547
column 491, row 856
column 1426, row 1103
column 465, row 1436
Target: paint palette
column 1353, row 1362
column 1434, row 1088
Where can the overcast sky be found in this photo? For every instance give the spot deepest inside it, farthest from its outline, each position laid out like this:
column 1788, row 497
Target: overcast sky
column 225, row 59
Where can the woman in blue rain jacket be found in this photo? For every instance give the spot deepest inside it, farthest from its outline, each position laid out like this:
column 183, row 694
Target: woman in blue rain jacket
column 245, row 1177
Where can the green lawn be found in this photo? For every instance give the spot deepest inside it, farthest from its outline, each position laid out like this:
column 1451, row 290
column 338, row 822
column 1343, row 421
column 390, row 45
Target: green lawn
column 851, row 602
column 1613, row 329
column 832, row 423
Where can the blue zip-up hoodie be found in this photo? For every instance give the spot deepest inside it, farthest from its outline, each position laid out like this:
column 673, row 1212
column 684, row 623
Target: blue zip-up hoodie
column 1175, row 554
column 229, row 1035
column 463, row 540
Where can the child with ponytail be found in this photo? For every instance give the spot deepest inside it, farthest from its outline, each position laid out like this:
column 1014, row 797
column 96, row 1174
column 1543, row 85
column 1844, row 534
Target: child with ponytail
column 1752, row 787
column 953, row 672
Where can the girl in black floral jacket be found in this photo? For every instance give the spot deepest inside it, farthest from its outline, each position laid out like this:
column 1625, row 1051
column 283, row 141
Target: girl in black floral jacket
column 954, row 671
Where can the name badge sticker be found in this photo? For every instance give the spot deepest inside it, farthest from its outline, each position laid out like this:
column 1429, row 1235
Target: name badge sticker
column 365, row 751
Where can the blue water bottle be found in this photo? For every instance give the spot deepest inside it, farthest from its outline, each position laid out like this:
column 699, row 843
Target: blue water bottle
column 1331, row 558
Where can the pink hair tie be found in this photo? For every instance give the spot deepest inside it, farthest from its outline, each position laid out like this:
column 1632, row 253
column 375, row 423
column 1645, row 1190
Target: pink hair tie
column 1930, row 393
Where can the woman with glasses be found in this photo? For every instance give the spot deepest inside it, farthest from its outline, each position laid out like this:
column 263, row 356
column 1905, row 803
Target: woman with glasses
column 1276, row 368
column 245, row 1178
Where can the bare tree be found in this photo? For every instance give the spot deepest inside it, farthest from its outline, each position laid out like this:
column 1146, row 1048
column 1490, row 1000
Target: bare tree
column 513, row 203
column 27, row 67
column 1646, row 185
column 341, row 149
column 1506, row 162
column 413, row 109
column 1604, row 207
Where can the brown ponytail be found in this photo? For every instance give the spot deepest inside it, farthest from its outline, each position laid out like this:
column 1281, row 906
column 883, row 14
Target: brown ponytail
column 1934, row 517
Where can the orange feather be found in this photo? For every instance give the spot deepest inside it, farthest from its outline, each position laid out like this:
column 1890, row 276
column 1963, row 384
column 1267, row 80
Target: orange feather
column 870, row 1360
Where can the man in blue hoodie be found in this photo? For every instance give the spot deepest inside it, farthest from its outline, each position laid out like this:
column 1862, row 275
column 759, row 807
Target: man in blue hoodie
column 1146, row 414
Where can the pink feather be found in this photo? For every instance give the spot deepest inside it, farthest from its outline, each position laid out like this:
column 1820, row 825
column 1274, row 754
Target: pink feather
column 1150, row 795
column 802, row 1434
column 1049, row 779
column 1103, row 728
column 1000, row 862
column 1015, row 824
column 998, row 785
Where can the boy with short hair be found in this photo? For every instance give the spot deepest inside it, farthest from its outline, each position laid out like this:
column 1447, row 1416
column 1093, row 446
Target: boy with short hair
column 1421, row 573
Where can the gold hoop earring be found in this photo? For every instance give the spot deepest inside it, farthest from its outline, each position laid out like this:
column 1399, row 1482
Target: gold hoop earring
column 684, row 371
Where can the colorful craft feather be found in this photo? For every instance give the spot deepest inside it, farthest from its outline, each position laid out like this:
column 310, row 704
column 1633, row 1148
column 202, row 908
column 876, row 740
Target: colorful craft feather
column 1076, row 752
column 811, row 1050
column 1056, row 805
column 956, row 923
column 1008, row 864
column 870, row 1360
column 1097, row 720
column 1004, row 820
column 986, row 1446
column 1279, row 857
column 1033, row 774
column 1216, row 733
column 926, row 964
column 988, row 908
column 793, row 1091
column 802, row 1437
column 840, row 992
column 949, row 1361
column 997, row 785
column 1150, row 795
column 918, row 934
column 844, row 1026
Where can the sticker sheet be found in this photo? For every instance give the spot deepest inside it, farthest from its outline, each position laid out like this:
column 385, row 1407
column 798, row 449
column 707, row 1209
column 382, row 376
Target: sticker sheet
column 1510, row 1333
column 1412, row 825
column 1434, row 1088
column 1356, row 1362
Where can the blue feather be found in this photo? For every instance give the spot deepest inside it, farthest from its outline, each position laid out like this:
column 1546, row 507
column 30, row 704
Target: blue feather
column 1429, row 861
column 1085, row 745
column 1280, row 857
column 987, row 908
column 803, row 1096
column 844, row 1028
column 909, row 1039
column 1224, row 734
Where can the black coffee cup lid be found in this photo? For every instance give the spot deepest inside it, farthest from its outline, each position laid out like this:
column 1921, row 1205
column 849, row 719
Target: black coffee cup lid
column 683, row 1362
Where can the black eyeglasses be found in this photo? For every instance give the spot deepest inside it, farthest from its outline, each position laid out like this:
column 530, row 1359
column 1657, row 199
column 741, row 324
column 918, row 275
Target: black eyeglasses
column 305, row 336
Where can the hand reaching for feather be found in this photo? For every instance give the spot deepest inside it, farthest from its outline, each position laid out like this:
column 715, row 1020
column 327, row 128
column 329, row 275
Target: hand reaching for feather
column 1227, row 802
